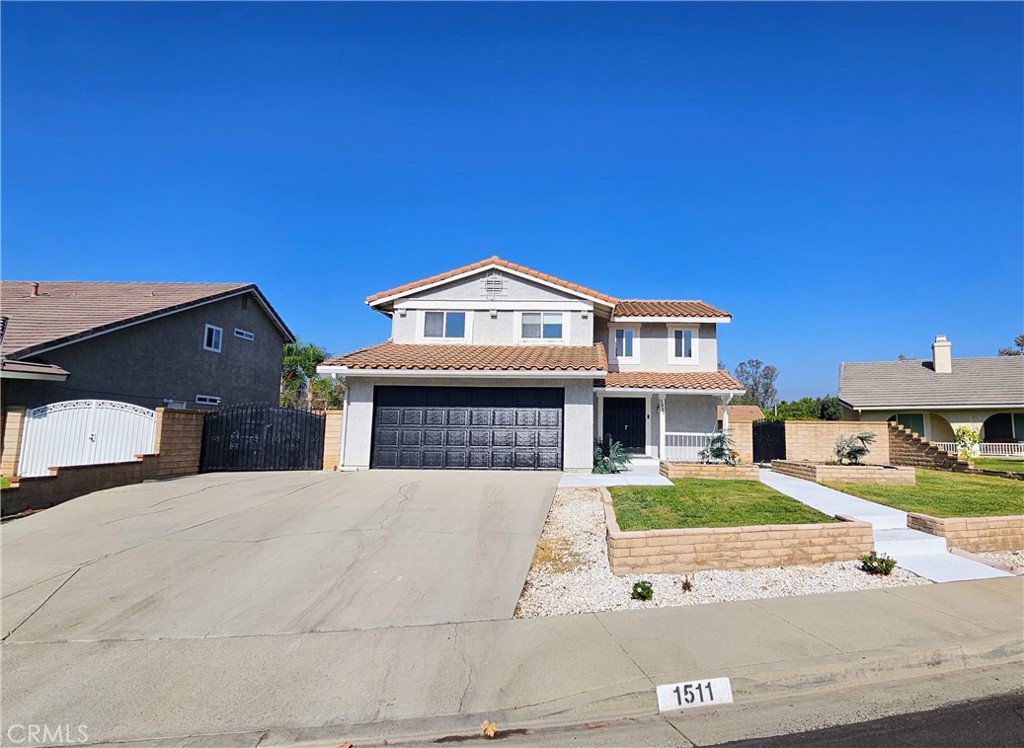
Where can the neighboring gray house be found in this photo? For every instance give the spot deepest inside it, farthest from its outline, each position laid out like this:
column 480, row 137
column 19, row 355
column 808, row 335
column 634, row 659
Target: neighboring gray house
column 498, row 366
column 150, row 344
column 934, row 397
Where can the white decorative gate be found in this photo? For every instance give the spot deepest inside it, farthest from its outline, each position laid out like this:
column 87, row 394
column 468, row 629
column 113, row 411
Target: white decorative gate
column 84, row 432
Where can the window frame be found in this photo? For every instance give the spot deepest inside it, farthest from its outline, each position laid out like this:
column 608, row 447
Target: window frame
column 421, row 329
column 613, row 331
column 208, row 400
column 564, row 315
column 218, row 338
column 245, row 334
column 694, row 356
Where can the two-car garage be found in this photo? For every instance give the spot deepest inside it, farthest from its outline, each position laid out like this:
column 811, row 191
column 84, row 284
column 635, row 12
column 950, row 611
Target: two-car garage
column 465, row 428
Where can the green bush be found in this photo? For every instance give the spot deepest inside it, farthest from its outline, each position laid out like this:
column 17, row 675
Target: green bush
column 849, row 449
column 872, row 563
column 609, row 456
column 642, row 590
column 718, row 449
column 4, row 482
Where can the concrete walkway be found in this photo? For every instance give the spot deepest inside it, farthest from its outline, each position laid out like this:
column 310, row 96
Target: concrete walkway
column 642, row 471
column 925, row 555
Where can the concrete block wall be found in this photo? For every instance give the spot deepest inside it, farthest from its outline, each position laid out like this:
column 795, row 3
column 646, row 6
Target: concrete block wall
column 682, row 551
column 10, row 443
column 909, row 448
column 179, row 441
column 974, row 534
column 332, row 440
column 815, row 441
column 882, row 475
column 741, row 433
column 746, row 471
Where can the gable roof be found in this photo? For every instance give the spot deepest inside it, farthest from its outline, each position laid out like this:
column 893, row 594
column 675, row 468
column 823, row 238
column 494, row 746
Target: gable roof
column 490, row 262
column 64, row 312
column 458, row 357
column 991, row 381
column 742, row 413
column 667, row 309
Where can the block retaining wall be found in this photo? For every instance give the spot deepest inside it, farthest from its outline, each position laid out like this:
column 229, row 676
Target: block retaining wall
column 714, row 472
column 974, row 534
column 873, row 474
column 815, row 441
column 681, row 551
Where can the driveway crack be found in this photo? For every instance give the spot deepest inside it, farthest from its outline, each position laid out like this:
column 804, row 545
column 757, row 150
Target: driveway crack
column 38, row 607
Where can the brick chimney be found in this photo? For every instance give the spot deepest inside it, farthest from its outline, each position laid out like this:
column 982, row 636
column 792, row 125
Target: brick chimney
column 942, row 355
column 35, row 290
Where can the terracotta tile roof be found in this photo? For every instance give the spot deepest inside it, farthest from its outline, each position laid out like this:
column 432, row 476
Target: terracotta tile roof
column 642, row 308
column 742, row 413
column 426, row 357
column 30, row 367
column 657, row 380
column 485, row 263
column 65, row 310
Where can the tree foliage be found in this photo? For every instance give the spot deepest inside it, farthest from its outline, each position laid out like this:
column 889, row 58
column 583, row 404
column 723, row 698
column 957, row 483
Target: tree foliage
column 1017, row 350
column 301, row 386
column 828, row 408
column 759, row 380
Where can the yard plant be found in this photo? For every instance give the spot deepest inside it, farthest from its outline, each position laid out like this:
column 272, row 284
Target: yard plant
column 850, row 449
column 947, row 494
column 642, row 590
column 691, row 502
column 718, row 449
column 610, row 456
column 872, row 563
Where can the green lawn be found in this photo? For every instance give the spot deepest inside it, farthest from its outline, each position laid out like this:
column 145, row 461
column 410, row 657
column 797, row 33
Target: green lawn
column 998, row 463
column 944, row 494
column 691, row 502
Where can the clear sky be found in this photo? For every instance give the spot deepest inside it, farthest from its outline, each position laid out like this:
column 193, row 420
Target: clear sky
column 846, row 179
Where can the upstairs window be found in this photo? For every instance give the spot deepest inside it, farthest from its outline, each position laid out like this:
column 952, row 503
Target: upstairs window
column 542, row 326
column 624, row 343
column 212, row 337
column 244, row 334
column 682, row 343
column 444, row 325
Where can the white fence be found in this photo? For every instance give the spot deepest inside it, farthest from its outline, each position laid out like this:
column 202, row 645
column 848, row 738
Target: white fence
column 684, row 446
column 987, row 449
column 84, row 432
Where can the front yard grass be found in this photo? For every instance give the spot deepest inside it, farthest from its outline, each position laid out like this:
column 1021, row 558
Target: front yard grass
column 944, row 494
column 997, row 463
column 692, row 502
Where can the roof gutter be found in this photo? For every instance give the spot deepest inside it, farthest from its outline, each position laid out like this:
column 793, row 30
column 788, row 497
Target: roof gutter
column 464, row 373
column 669, row 391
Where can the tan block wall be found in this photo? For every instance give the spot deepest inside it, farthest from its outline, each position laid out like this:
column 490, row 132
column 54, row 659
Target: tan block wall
column 715, row 472
column 332, row 439
column 911, row 449
column 179, row 441
column 742, row 435
column 10, row 446
column 815, row 441
column 682, row 551
column 874, row 474
column 974, row 534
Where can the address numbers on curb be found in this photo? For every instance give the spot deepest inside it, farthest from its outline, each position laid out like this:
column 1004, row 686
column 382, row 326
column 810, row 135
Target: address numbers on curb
column 693, row 693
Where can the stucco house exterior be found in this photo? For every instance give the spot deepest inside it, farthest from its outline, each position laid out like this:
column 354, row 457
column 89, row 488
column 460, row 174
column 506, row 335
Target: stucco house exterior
column 933, row 397
column 498, row 366
column 195, row 345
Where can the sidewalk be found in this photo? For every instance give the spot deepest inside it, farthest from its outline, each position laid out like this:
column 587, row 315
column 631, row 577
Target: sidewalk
column 327, row 687
column 642, row 471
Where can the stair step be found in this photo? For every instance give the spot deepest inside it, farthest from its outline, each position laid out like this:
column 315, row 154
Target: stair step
column 889, row 521
column 945, row 567
column 906, row 542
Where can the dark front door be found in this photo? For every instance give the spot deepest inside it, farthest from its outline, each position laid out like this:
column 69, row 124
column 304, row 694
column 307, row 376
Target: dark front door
column 625, row 418
column 475, row 428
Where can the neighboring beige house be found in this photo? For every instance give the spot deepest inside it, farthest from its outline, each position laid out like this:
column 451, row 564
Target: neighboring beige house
column 935, row 397
column 740, row 414
column 497, row 366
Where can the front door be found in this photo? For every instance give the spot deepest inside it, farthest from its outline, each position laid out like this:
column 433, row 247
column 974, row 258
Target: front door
column 625, row 418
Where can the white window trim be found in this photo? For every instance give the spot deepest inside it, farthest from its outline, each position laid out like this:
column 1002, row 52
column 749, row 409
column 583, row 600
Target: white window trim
column 244, row 334
column 220, row 338
column 611, row 342
column 683, row 360
column 207, row 400
column 566, row 321
column 421, row 322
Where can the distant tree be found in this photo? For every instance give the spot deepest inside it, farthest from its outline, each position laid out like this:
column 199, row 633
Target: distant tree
column 804, row 409
column 902, row 357
column 298, row 371
column 1017, row 350
column 830, row 408
column 722, row 366
column 759, row 381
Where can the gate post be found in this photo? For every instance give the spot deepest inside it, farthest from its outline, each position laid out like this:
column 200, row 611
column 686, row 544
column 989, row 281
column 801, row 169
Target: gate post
column 10, row 449
column 332, row 439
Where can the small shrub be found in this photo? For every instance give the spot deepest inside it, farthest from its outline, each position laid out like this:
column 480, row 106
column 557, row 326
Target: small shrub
column 687, row 584
column 966, row 440
column 5, row 482
column 610, row 456
column 718, row 449
column 872, row 563
column 850, row 449
column 642, row 590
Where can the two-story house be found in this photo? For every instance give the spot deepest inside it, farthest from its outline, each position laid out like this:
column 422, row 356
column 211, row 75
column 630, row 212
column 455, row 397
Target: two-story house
column 498, row 366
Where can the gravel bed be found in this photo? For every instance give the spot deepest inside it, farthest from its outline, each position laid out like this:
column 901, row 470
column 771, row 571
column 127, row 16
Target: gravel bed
column 570, row 572
column 1013, row 559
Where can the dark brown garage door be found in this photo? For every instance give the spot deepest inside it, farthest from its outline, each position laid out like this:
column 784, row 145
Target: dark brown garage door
column 468, row 428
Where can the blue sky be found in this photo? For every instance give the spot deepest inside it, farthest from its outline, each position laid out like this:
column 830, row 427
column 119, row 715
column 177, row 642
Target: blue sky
column 846, row 179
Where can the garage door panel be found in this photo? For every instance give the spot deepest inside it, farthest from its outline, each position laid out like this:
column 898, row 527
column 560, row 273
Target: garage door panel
column 468, row 428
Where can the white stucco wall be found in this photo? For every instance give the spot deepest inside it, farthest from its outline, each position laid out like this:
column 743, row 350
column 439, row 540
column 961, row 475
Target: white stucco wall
column 651, row 348
column 514, row 289
column 502, row 329
column 577, row 419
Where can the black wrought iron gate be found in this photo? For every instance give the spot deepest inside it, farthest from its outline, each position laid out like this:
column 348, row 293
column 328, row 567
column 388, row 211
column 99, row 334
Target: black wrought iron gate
column 769, row 441
column 262, row 437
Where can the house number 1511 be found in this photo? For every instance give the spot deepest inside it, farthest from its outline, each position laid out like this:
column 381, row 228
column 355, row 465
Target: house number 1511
column 694, row 693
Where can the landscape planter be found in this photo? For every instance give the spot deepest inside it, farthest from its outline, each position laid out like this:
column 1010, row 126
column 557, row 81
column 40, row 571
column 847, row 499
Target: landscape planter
column 882, row 475
column 974, row 534
column 685, row 550
column 713, row 472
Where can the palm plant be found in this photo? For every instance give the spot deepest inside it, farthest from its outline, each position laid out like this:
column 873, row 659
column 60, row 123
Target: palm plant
column 850, row 449
column 610, row 456
column 298, row 369
column 718, row 449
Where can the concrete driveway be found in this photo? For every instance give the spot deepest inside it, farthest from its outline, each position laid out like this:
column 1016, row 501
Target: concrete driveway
column 273, row 553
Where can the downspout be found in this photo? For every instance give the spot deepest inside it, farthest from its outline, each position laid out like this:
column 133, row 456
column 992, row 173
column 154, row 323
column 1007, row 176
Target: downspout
column 344, row 421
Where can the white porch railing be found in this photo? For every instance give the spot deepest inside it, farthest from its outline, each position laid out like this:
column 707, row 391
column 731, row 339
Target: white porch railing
column 684, row 446
column 986, row 449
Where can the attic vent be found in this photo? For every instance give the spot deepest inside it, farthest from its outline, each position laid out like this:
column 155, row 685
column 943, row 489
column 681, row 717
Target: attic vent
column 245, row 302
column 494, row 286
